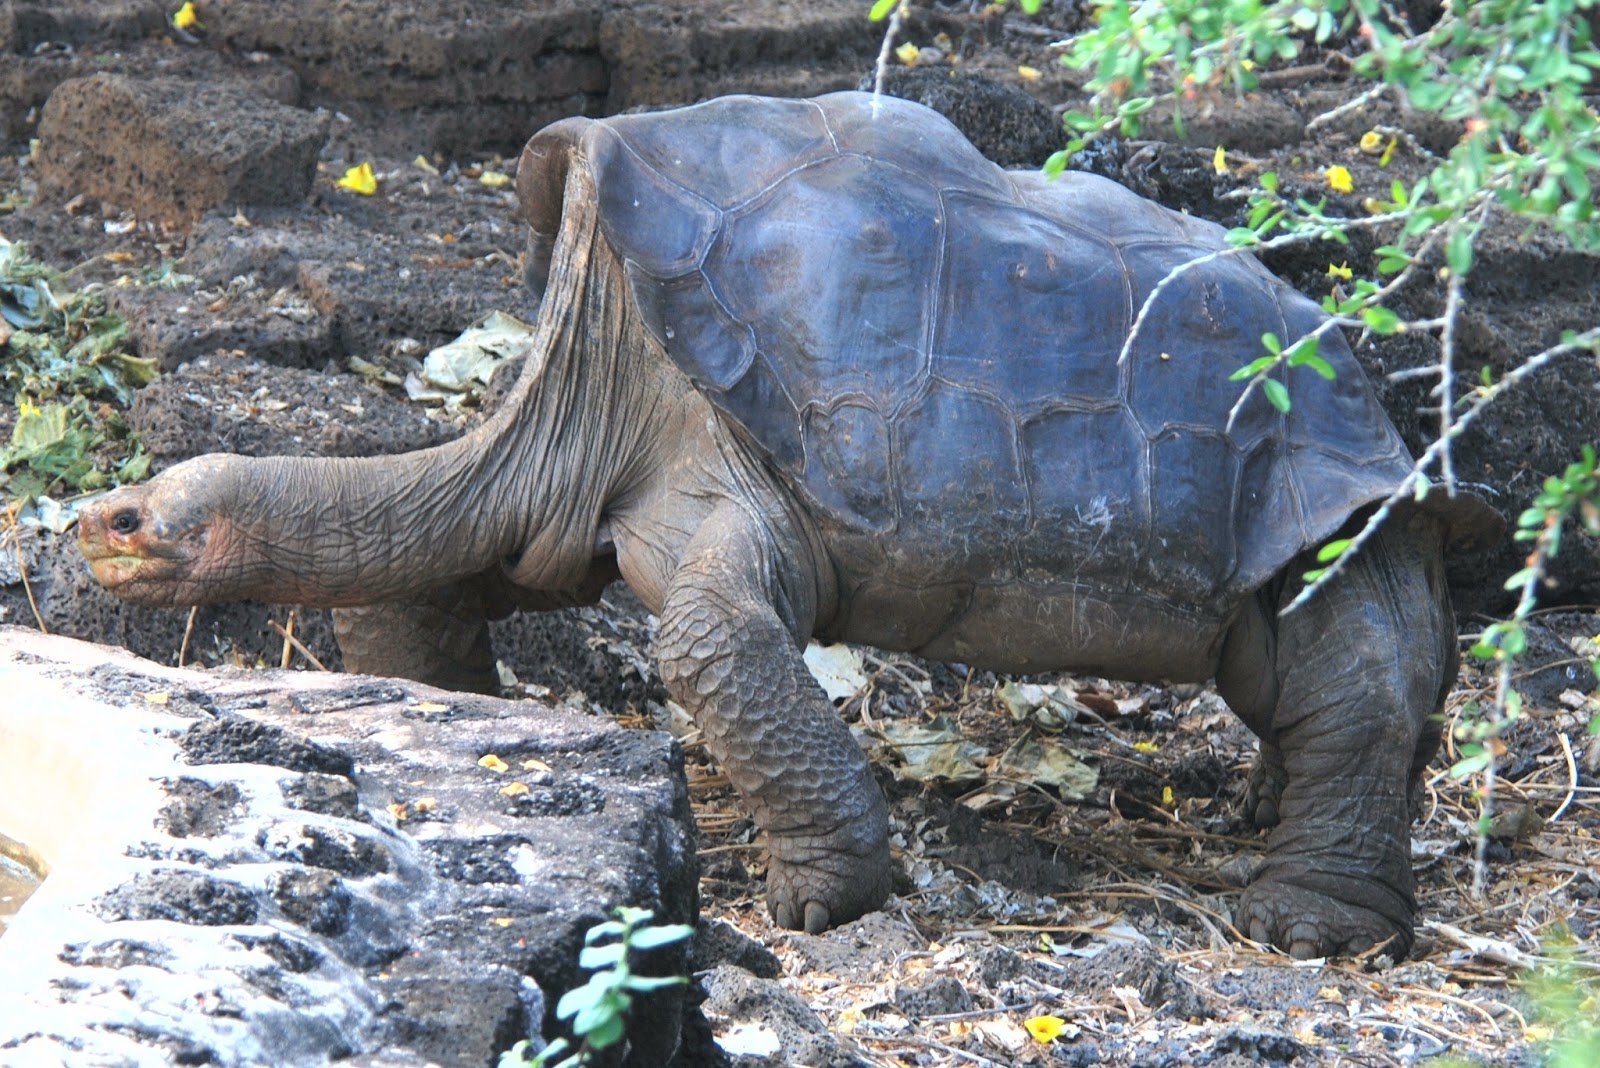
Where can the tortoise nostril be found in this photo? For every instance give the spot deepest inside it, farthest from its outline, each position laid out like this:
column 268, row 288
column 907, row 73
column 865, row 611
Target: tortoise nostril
column 125, row 522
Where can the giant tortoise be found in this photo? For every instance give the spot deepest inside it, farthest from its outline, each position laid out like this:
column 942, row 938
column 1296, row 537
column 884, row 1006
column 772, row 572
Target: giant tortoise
column 816, row 367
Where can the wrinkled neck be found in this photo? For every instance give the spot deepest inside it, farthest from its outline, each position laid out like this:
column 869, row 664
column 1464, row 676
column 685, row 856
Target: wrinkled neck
column 525, row 491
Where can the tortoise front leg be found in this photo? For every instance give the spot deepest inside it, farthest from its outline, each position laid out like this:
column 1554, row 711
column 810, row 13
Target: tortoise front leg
column 1342, row 695
column 729, row 641
column 440, row 637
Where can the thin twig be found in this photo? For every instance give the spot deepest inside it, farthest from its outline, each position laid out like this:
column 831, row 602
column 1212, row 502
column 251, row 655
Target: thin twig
column 1281, row 241
column 928, row 1043
column 1580, row 343
column 881, row 71
column 188, row 632
column 292, row 640
column 1572, row 776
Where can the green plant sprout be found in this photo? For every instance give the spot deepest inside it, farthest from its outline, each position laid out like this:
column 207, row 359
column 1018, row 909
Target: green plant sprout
column 599, row 1009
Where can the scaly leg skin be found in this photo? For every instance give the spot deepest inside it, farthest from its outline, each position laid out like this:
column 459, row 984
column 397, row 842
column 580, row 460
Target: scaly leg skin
column 729, row 643
column 441, row 637
column 1265, row 790
column 1358, row 672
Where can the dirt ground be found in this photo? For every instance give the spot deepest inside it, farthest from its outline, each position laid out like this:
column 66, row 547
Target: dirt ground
column 1103, row 902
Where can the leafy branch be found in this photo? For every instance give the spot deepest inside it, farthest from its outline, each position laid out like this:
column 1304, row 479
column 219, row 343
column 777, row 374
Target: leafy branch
column 599, row 1009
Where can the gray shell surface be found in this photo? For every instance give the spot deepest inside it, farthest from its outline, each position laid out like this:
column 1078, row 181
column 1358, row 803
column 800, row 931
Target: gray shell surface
column 926, row 347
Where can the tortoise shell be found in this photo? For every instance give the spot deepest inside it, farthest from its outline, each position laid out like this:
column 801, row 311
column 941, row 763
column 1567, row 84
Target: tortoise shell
column 928, row 348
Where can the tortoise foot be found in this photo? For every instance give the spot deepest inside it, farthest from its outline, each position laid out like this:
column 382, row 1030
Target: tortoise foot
column 812, row 887
column 1306, row 923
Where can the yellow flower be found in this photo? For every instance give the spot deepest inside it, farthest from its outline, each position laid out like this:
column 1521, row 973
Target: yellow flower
column 1371, row 142
column 907, row 53
column 1045, row 1029
column 1168, row 798
column 1341, row 271
column 494, row 764
column 1339, row 179
column 360, row 180
column 1219, row 160
column 1147, row 747
column 185, row 18
column 1029, row 74
column 26, row 408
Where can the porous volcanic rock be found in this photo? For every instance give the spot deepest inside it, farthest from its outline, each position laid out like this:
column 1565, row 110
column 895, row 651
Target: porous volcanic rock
column 311, row 868
column 171, row 148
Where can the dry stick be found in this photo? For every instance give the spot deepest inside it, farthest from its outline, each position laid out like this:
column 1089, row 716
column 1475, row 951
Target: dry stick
column 188, row 632
column 881, row 71
column 1572, row 776
column 292, row 640
column 288, row 642
column 1281, row 241
column 1580, row 343
column 928, row 1043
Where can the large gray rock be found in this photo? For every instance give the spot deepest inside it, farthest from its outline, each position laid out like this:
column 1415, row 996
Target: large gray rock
column 267, row 868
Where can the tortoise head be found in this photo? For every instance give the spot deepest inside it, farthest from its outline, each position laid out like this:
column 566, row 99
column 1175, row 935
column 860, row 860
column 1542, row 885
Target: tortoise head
column 169, row 541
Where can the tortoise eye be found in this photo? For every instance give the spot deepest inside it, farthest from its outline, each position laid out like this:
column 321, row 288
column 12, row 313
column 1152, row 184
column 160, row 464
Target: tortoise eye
column 125, row 522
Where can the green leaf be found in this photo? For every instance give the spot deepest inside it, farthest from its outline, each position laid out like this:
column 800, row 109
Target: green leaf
column 643, row 984
column 1381, row 320
column 881, row 9
column 593, row 957
column 1057, row 163
column 664, row 935
column 1458, row 251
column 1333, row 550
column 1272, row 343
column 1269, row 181
column 1277, row 393
column 608, row 929
column 1471, row 765
column 1313, row 575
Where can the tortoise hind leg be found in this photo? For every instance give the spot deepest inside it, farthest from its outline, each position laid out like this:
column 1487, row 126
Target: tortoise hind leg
column 440, row 637
column 1345, row 689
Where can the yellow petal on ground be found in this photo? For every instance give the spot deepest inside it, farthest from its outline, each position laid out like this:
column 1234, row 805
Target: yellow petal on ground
column 494, row 764
column 1029, row 74
column 425, row 804
column 503, row 921
column 494, row 179
column 185, row 18
column 1045, row 1029
column 156, row 697
column 515, row 789
column 399, row 812
column 1168, row 798
column 1339, row 179
column 1146, row 747
column 360, row 179
column 532, row 764
column 430, row 706
column 1219, row 160
column 1372, row 142
column 907, row 53
column 1341, row 271
column 422, row 163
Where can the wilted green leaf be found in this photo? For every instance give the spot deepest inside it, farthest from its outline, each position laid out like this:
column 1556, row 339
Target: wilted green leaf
column 1038, row 760
column 934, row 751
